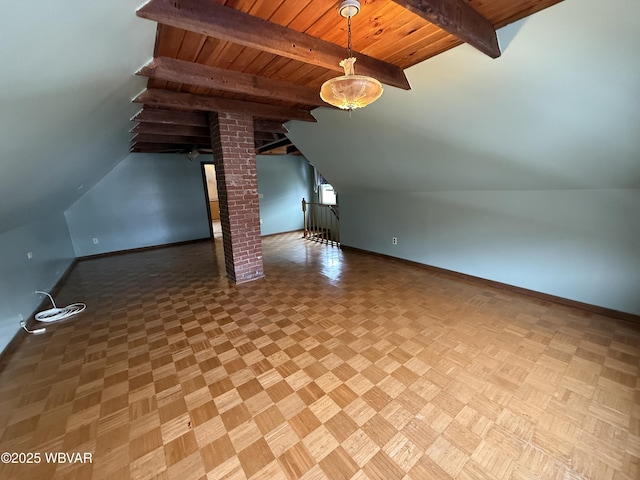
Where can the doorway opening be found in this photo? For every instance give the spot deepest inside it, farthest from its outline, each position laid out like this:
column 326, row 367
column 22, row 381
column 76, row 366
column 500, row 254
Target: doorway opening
column 211, row 194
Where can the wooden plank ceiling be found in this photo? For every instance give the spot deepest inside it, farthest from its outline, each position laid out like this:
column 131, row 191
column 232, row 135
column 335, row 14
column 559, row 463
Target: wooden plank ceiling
column 268, row 58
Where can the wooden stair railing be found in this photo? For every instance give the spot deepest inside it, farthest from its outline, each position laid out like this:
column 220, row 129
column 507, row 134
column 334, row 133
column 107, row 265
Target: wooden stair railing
column 321, row 222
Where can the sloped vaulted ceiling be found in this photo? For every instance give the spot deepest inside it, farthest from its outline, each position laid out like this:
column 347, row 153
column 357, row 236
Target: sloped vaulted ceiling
column 558, row 110
column 65, row 99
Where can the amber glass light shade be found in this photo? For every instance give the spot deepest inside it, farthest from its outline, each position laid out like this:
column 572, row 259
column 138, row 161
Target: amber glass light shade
column 350, row 91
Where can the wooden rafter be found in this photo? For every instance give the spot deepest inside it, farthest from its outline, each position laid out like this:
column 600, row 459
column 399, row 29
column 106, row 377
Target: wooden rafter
column 165, row 98
column 162, row 147
column 198, row 119
column 180, row 71
column 225, row 23
column 265, row 137
column 171, row 117
column 180, row 139
column 160, row 129
column 460, row 19
column 283, row 142
column 272, row 126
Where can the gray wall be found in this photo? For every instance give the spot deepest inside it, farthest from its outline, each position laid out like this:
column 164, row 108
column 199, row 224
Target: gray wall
column 145, row 200
column 49, row 241
column 65, row 127
column 577, row 244
column 283, row 180
column 523, row 169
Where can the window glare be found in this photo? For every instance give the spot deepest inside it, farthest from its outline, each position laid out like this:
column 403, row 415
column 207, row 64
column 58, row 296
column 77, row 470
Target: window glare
column 327, row 194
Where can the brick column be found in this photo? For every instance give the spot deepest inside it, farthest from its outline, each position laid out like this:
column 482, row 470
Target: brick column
column 235, row 160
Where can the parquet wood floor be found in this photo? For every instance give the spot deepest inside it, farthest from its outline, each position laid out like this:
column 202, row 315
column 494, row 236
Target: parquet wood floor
column 336, row 365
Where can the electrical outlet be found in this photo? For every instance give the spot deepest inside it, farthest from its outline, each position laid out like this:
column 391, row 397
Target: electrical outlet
column 394, row 240
column 29, row 255
column 96, row 241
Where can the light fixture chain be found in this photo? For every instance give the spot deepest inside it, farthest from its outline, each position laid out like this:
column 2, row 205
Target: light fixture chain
column 349, row 35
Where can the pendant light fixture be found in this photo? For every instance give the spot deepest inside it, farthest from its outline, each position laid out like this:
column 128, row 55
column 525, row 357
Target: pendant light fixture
column 350, row 91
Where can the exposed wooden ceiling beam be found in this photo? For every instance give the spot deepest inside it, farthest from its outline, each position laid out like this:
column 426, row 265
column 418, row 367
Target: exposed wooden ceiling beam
column 261, row 138
column 265, row 137
column 284, row 150
column 159, row 148
column 218, row 21
column 460, row 19
column 273, row 126
column 171, row 117
column 165, row 98
column 198, row 119
column 293, row 150
column 181, row 139
column 283, row 142
column 160, row 129
column 180, row 71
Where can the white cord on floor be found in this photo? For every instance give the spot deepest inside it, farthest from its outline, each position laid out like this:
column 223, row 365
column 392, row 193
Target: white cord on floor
column 37, row 331
column 56, row 314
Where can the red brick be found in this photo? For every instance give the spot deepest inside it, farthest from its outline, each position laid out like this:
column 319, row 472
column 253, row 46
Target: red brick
column 232, row 144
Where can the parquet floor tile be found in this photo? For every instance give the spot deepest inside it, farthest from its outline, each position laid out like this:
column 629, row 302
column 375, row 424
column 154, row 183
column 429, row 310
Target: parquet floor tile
column 337, row 365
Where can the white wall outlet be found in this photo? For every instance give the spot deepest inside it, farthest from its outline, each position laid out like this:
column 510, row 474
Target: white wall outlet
column 394, row 240
column 29, row 255
column 96, row 241
column 260, row 195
